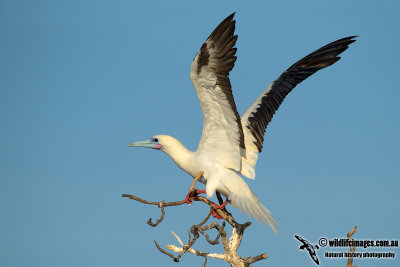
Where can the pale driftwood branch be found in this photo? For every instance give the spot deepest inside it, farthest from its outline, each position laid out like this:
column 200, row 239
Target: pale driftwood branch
column 195, row 230
column 197, row 252
column 257, row 258
column 230, row 246
column 352, row 248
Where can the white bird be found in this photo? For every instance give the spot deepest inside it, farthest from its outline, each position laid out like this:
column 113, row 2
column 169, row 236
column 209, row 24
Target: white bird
column 230, row 144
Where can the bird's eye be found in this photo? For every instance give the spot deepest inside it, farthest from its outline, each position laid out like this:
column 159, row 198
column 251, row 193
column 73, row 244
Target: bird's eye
column 155, row 140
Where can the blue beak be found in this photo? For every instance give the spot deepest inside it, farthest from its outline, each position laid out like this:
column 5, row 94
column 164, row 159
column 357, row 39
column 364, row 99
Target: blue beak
column 147, row 143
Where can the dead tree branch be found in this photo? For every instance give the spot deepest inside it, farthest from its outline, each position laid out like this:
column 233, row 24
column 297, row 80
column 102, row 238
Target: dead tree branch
column 230, row 245
column 352, row 248
column 161, row 205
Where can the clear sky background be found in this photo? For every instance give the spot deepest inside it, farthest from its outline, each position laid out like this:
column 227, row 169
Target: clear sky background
column 81, row 79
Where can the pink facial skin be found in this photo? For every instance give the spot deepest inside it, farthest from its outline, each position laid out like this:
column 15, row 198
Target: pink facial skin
column 157, row 146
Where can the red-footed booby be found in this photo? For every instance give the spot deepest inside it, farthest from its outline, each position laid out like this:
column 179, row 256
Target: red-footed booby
column 230, row 144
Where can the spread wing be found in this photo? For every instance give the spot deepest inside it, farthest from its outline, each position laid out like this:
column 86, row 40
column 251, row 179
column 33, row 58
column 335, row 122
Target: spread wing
column 222, row 136
column 256, row 119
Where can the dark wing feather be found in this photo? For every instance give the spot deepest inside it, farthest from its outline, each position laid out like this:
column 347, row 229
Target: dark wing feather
column 258, row 116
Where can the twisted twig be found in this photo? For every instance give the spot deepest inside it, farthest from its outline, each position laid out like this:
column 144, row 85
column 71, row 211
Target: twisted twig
column 161, row 205
column 230, row 246
column 221, row 212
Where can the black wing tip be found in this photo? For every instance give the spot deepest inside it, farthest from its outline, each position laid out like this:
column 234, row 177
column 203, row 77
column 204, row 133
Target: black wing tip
column 224, row 39
column 224, row 24
column 339, row 46
column 352, row 37
column 343, row 42
column 348, row 40
column 326, row 55
column 230, row 17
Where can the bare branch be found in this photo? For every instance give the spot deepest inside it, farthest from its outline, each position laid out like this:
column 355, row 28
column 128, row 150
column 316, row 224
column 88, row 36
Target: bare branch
column 190, row 243
column 197, row 252
column 352, row 248
column 223, row 214
column 161, row 206
column 166, row 204
column 257, row 258
column 215, row 225
column 230, row 246
column 351, row 233
column 191, row 250
column 206, row 218
column 205, row 261
column 165, row 252
column 177, row 238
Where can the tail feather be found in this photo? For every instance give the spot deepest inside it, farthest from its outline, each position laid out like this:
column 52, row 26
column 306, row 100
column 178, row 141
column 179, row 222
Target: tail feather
column 249, row 204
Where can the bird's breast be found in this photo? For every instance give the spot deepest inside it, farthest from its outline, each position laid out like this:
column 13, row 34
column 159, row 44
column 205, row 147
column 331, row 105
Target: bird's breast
column 197, row 164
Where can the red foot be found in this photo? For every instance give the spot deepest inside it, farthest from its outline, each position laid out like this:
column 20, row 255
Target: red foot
column 187, row 198
column 191, row 195
column 216, row 207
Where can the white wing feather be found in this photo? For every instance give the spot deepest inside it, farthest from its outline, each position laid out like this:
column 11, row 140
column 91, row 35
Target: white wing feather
column 222, row 135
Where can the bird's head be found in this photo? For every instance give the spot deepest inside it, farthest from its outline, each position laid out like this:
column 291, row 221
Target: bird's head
column 154, row 142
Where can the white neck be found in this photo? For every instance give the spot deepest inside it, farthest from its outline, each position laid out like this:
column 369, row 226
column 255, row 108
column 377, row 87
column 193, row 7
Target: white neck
column 177, row 152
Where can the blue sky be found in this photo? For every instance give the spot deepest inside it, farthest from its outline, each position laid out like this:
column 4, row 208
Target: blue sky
column 81, row 79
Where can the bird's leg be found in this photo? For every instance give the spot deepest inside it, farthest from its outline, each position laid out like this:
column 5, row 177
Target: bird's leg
column 195, row 180
column 189, row 195
column 219, row 197
column 193, row 194
column 221, row 202
column 216, row 207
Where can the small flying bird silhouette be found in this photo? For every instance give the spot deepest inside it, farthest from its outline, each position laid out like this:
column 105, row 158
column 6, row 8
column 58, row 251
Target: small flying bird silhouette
column 230, row 143
column 311, row 249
